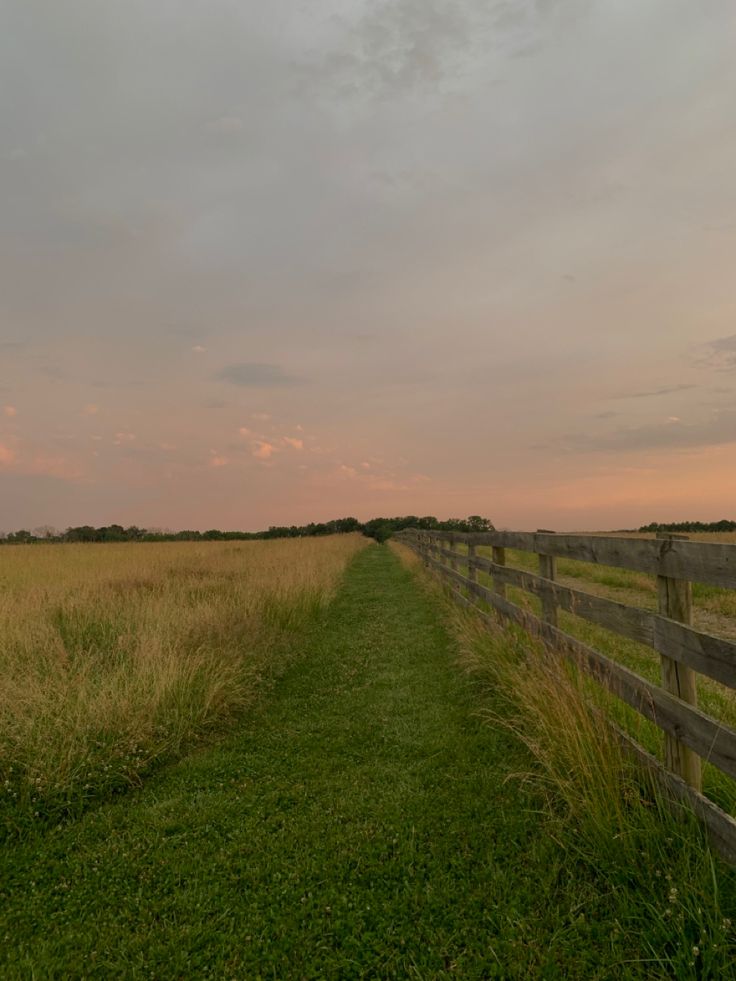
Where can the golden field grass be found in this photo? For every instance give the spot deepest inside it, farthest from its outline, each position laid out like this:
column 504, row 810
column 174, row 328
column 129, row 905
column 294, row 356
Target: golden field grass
column 114, row 657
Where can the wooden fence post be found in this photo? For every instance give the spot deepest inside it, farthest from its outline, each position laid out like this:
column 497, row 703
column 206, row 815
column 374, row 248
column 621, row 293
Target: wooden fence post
column 548, row 570
column 498, row 556
column 676, row 602
column 452, row 562
column 472, row 571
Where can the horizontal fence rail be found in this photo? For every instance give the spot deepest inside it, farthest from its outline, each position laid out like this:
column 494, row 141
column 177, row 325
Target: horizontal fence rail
column 691, row 735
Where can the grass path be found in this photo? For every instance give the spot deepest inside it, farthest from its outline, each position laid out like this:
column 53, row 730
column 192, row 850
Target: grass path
column 358, row 824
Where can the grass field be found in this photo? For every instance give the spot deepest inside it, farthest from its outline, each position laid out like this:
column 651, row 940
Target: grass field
column 115, row 657
column 411, row 797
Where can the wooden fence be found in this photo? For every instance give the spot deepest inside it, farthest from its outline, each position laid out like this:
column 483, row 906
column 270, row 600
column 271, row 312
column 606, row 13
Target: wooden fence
column 690, row 734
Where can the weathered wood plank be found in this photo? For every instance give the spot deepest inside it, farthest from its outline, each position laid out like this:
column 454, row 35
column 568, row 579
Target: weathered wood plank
column 712, row 656
column 696, row 561
column 707, row 562
column 472, row 570
column 499, row 562
column 452, row 555
column 548, row 573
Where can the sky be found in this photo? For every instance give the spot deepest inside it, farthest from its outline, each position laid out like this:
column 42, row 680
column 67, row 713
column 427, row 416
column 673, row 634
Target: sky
column 272, row 263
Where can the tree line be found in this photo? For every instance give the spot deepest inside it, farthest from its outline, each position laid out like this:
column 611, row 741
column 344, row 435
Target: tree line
column 380, row 529
column 722, row 525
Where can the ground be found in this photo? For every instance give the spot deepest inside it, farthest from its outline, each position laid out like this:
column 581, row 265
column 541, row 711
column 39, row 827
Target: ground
column 363, row 821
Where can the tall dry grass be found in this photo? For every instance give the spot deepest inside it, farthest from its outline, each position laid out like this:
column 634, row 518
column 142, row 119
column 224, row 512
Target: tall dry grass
column 114, row 657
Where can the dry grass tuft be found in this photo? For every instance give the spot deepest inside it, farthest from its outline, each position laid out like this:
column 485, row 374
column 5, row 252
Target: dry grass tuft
column 580, row 764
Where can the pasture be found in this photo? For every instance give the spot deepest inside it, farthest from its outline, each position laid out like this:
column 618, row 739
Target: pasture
column 299, row 760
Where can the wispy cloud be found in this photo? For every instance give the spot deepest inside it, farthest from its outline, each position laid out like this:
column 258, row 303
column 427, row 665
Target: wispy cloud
column 655, row 392
column 123, row 439
column 672, row 434
column 255, row 374
column 397, row 49
column 720, row 353
column 295, row 444
column 10, row 411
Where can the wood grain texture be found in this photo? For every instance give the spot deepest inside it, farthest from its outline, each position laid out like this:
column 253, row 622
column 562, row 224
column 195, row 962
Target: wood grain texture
column 706, row 562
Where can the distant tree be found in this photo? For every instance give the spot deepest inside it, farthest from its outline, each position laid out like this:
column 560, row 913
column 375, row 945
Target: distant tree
column 22, row 537
column 82, row 533
column 683, row 526
column 476, row 523
column 380, row 528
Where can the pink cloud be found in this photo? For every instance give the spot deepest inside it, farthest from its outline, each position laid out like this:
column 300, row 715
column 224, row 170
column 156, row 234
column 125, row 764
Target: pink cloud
column 10, row 411
column 244, row 431
column 7, row 456
column 295, row 444
column 263, row 450
column 198, row 349
column 90, row 409
column 53, row 466
column 122, row 438
column 386, row 484
column 219, row 461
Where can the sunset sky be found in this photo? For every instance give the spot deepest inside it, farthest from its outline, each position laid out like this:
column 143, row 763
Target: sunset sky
column 274, row 262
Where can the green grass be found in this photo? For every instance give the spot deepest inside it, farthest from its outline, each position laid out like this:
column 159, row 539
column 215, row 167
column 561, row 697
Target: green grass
column 362, row 822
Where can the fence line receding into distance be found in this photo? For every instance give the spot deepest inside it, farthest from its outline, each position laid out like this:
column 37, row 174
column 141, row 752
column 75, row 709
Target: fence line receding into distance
column 690, row 734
